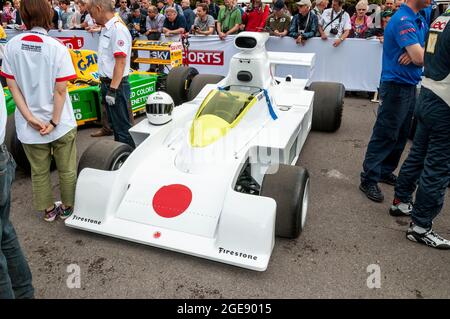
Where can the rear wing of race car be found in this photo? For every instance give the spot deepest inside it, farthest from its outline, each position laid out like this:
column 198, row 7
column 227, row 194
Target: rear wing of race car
column 305, row 60
column 254, row 66
column 290, row 58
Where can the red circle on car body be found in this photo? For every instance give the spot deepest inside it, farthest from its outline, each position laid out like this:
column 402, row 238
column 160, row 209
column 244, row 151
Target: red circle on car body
column 172, row 200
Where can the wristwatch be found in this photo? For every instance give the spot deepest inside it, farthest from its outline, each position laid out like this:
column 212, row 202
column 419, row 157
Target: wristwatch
column 52, row 123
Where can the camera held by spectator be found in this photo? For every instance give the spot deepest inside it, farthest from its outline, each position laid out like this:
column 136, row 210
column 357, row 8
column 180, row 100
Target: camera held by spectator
column 335, row 23
column 304, row 24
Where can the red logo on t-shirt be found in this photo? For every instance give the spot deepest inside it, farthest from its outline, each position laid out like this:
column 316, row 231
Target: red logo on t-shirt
column 120, row 43
column 32, row 38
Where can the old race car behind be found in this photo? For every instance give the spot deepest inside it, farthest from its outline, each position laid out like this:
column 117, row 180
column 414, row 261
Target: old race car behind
column 84, row 91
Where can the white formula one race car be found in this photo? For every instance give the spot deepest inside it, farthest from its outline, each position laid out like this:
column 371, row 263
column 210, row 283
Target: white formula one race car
column 214, row 177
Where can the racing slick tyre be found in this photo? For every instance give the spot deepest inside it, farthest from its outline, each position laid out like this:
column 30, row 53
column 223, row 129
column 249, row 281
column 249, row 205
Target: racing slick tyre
column 178, row 82
column 15, row 146
column 106, row 155
column 328, row 106
column 199, row 82
column 289, row 187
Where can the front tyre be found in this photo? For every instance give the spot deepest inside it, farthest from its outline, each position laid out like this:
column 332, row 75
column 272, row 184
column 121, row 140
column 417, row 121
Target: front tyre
column 289, row 187
column 105, row 155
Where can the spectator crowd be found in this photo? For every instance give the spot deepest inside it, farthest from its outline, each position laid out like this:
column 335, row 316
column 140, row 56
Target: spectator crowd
column 154, row 18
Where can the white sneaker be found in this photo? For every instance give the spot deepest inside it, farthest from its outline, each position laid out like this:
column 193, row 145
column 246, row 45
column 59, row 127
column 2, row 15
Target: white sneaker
column 400, row 209
column 427, row 237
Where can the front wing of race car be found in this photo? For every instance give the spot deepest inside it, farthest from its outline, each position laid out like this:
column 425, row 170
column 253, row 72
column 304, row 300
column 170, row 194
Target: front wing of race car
column 242, row 235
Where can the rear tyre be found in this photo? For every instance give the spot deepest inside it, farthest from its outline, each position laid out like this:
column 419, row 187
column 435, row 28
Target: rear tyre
column 15, row 147
column 10, row 132
column 289, row 187
column 328, row 106
column 106, row 155
column 178, row 82
column 199, row 82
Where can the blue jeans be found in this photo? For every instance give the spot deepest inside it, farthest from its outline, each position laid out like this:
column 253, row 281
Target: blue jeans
column 15, row 275
column 118, row 115
column 390, row 131
column 428, row 160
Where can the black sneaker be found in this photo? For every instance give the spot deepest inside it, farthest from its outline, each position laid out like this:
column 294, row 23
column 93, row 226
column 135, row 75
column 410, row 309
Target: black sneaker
column 372, row 192
column 427, row 237
column 400, row 209
column 65, row 213
column 390, row 180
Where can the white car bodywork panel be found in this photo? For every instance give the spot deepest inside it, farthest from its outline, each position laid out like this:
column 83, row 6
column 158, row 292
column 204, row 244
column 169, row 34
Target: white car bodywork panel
column 219, row 223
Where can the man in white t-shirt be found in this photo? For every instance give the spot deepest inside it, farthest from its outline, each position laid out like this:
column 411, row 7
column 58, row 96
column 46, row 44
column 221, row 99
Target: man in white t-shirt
column 335, row 23
column 114, row 54
column 37, row 68
column 15, row 275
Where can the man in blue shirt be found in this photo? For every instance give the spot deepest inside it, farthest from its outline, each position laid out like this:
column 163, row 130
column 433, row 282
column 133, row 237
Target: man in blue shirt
column 403, row 52
column 175, row 24
column 428, row 160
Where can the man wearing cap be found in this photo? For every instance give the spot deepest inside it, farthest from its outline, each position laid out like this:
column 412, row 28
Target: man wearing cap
column 427, row 162
column 278, row 22
column 304, row 24
column 379, row 32
column 403, row 52
column 335, row 23
column 114, row 55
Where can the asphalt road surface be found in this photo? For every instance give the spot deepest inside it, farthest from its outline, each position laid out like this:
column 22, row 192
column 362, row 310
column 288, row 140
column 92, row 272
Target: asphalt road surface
column 345, row 234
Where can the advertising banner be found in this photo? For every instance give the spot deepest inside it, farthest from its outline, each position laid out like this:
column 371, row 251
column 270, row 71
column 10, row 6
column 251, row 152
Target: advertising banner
column 356, row 63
